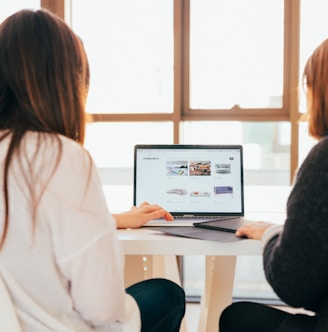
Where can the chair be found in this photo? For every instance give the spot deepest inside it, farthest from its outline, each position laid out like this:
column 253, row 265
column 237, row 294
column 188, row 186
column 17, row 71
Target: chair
column 9, row 320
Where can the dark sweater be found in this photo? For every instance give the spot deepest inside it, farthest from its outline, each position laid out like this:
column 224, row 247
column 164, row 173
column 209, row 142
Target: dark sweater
column 296, row 262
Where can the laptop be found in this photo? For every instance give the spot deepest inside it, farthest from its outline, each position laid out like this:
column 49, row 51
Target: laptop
column 200, row 185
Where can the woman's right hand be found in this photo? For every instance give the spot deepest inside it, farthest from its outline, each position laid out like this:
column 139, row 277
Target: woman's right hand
column 139, row 215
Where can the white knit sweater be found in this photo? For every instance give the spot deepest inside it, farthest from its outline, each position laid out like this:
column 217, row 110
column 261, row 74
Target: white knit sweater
column 67, row 273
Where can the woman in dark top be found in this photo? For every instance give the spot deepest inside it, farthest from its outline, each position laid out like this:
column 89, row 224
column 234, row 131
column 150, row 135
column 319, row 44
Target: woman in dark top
column 295, row 255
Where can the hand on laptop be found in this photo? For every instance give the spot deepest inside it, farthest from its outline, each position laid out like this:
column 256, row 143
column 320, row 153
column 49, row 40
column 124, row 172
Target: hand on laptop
column 254, row 230
column 139, row 215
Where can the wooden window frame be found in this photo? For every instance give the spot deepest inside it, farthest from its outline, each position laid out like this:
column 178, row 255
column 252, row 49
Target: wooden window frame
column 182, row 111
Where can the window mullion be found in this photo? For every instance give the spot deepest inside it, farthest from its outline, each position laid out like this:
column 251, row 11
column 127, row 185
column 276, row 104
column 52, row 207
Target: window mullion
column 291, row 75
column 55, row 6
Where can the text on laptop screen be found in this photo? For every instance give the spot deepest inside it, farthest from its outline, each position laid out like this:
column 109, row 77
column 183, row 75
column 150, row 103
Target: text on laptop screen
column 190, row 178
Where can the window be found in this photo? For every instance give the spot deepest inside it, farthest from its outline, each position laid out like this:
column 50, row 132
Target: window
column 132, row 55
column 132, row 45
column 236, row 54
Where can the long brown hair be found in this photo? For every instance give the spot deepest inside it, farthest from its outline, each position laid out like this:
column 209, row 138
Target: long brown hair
column 315, row 77
column 44, row 77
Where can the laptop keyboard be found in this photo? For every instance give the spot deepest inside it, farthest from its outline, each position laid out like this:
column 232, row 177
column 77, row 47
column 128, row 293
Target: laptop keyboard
column 203, row 218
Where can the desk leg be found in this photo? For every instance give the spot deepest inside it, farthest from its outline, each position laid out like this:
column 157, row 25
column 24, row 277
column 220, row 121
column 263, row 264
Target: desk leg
column 220, row 274
column 138, row 268
column 142, row 267
column 134, row 270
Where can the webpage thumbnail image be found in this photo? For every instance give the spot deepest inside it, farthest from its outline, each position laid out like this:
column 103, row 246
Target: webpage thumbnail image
column 200, row 168
column 176, row 167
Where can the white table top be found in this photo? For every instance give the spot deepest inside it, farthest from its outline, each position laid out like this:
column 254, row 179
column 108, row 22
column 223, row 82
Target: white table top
column 149, row 242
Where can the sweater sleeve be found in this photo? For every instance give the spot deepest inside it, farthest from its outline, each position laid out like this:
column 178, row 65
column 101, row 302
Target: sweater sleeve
column 295, row 262
column 270, row 234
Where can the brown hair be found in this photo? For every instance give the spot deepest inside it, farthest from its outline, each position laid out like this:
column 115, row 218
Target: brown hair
column 44, row 76
column 315, row 76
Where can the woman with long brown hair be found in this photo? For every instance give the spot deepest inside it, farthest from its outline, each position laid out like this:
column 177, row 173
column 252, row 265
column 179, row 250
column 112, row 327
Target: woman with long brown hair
column 60, row 256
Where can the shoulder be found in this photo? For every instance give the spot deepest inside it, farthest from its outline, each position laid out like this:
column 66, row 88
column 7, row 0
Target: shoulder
column 50, row 143
column 56, row 148
column 50, row 156
column 309, row 194
column 316, row 162
column 74, row 160
column 73, row 151
column 319, row 150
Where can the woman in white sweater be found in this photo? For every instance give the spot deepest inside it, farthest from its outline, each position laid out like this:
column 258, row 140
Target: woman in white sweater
column 60, row 256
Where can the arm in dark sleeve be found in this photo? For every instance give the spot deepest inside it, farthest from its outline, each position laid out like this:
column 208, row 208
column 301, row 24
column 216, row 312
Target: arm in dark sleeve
column 295, row 263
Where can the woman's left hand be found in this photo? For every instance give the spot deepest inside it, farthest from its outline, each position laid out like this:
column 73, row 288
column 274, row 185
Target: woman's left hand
column 139, row 215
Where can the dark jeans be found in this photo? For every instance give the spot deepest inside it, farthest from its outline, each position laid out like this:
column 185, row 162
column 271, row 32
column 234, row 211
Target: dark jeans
column 255, row 317
column 162, row 304
column 250, row 317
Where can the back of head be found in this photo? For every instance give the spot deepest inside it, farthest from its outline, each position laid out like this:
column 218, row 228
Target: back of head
column 44, row 76
column 315, row 76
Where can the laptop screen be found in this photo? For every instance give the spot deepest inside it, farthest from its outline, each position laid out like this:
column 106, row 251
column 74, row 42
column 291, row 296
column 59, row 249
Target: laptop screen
column 190, row 179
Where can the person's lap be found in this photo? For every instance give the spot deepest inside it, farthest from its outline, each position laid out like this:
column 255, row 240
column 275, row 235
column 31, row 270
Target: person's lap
column 249, row 316
column 161, row 303
column 255, row 317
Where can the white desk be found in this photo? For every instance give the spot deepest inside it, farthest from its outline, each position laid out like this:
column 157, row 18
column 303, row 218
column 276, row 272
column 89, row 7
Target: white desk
column 152, row 254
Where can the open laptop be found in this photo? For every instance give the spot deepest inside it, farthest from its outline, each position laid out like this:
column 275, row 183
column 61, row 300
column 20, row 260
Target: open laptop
column 199, row 184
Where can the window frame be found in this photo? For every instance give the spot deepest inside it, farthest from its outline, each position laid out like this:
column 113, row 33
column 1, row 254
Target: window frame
column 183, row 112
